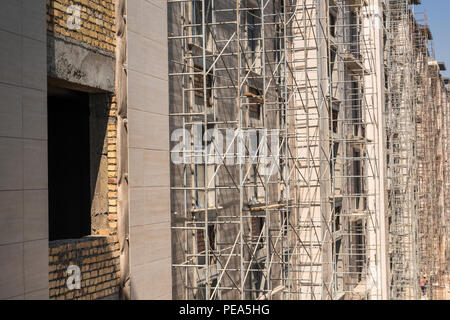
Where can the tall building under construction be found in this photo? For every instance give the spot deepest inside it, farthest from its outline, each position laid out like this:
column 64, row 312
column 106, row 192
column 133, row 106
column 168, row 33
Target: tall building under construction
column 222, row 149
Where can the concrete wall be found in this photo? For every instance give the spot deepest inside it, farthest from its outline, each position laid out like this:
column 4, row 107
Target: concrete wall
column 23, row 151
column 148, row 129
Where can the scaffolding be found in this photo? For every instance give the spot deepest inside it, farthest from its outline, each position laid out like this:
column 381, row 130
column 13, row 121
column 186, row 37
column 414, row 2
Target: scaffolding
column 432, row 166
column 278, row 171
column 401, row 139
column 235, row 197
column 336, row 124
column 425, row 122
column 417, row 146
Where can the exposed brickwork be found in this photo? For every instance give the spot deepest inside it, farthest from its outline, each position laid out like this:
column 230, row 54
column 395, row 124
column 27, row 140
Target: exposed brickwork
column 98, row 259
column 98, row 255
column 109, row 227
column 97, row 28
column 112, row 168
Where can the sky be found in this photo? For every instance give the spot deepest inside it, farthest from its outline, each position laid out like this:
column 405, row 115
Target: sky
column 438, row 16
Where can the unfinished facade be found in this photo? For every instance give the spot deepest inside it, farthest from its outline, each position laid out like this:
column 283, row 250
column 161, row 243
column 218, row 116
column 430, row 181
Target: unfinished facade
column 342, row 214
column 222, row 149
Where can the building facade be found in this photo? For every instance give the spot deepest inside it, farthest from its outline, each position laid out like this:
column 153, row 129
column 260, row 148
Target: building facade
column 204, row 149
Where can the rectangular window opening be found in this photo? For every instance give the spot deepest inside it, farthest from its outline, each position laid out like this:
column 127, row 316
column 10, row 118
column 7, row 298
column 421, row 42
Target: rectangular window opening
column 68, row 165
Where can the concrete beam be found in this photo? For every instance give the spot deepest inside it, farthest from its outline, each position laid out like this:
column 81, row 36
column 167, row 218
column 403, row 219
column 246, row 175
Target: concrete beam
column 78, row 65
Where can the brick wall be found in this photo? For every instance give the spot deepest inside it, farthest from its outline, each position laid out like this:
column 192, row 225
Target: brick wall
column 96, row 255
column 112, row 168
column 97, row 28
column 98, row 260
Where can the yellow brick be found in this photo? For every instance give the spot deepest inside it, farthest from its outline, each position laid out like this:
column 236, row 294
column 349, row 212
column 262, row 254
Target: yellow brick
column 112, row 194
column 112, row 154
column 103, row 232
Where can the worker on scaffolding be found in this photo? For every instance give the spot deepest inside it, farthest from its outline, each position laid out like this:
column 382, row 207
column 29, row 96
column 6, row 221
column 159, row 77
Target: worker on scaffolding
column 423, row 285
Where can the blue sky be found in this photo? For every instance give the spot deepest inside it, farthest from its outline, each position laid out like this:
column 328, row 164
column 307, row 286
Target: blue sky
column 438, row 14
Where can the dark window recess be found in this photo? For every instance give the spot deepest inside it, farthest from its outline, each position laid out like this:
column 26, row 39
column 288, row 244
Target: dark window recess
column 331, row 63
column 334, row 148
column 337, row 218
column 257, row 226
column 333, row 20
column 356, row 106
column 354, row 33
column 357, row 179
column 333, row 120
column 257, row 279
column 197, row 18
column 199, row 87
column 254, row 32
column 68, row 165
column 255, row 100
column 357, row 253
column 201, row 244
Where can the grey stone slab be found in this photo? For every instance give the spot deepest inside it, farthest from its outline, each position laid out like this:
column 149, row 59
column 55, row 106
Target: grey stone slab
column 10, row 111
column 147, row 130
column 148, row 19
column 157, row 168
column 148, row 93
column 34, row 105
column 33, row 20
column 11, row 270
column 35, row 214
column 34, row 57
column 147, row 56
column 136, row 167
column 150, row 281
column 159, row 3
column 36, row 265
column 42, row 294
column 10, row 17
column 35, row 164
column 149, row 205
column 11, row 164
column 150, row 243
column 10, row 62
column 149, row 168
column 11, row 217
